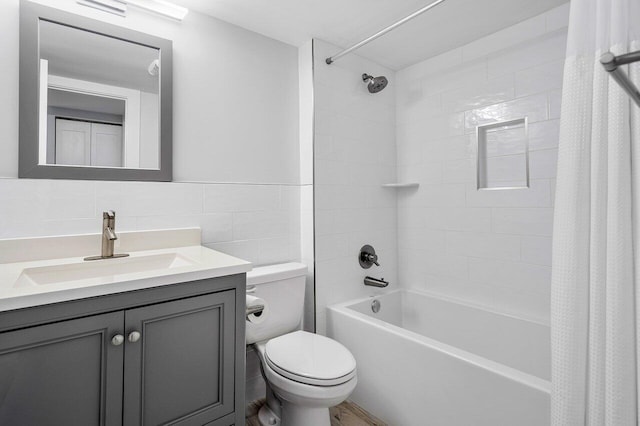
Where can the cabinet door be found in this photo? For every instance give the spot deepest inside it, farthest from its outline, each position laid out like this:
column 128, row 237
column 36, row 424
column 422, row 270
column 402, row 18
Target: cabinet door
column 181, row 370
column 67, row 373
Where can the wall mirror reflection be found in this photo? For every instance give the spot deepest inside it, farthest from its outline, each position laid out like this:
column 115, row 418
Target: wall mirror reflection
column 101, row 95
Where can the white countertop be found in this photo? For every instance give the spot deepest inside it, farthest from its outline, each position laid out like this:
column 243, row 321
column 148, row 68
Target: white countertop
column 19, row 290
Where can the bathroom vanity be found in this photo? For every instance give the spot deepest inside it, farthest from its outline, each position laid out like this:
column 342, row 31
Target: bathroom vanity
column 157, row 340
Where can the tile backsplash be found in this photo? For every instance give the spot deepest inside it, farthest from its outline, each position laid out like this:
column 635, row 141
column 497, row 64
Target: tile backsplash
column 488, row 247
column 232, row 216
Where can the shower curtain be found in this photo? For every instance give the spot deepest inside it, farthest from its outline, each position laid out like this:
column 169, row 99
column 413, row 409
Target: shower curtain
column 595, row 302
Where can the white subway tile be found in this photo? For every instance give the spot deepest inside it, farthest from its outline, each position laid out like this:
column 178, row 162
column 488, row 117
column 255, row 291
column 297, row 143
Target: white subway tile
column 515, row 275
column 167, row 222
column 431, row 240
column 459, row 171
column 217, row 227
column 555, row 103
column 529, row 221
column 276, row 250
column 459, row 147
column 411, row 268
column 536, row 250
column 532, row 107
column 446, row 266
column 544, row 49
column 66, row 199
column 329, row 172
column 331, row 246
column 439, row 127
column 445, row 195
column 248, row 250
column 255, row 197
column 218, row 198
column 256, row 225
column 459, row 219
column 161, row 199
column 429, row 173
column 484, row 245
column 466, row 74
column 479, row 94
column 290, row 197
column 537, row 195
column 540, row 78
column 20, row 201
column 543, row 164
column 544, row 134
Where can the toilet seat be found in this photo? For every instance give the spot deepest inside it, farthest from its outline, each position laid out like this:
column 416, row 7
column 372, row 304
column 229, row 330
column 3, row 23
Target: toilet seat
column 310, row 359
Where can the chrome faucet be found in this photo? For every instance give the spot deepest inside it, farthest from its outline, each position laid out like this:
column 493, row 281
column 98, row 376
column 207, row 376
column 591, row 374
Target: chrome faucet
column 108, row 232
column 108, row 237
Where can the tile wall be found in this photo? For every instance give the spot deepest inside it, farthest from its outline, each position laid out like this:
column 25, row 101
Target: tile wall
column 487, row 247
column 259, row 223
column 355, row 153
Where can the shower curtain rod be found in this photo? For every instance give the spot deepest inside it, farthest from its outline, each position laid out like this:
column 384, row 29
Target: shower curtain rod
column 611, row 63
column 382, row 32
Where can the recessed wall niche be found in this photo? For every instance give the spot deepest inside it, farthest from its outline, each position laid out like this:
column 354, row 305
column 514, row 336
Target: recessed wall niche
column 503, row 155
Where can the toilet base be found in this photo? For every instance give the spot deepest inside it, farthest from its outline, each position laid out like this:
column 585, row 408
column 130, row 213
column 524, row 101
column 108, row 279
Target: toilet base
column 297, row 415
column 268, row 417
column 294, row 415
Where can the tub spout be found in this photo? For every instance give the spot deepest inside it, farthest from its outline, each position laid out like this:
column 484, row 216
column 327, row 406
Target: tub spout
column 375, row 282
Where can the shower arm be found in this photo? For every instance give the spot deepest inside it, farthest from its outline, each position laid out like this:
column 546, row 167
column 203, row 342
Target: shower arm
column 382, row 32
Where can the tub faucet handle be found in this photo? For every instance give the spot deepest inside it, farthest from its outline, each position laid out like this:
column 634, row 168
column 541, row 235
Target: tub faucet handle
column 368, row 257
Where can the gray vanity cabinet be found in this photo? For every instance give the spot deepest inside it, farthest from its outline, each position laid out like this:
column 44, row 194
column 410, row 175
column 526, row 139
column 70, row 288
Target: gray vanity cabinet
column 181, row 371
column 65, row 373
column 177, row 358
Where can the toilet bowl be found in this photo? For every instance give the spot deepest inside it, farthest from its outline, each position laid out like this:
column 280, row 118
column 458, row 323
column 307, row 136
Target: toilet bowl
column 305, row 373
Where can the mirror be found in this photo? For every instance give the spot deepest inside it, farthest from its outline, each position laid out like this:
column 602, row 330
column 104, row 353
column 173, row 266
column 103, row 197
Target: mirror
column 95, row 99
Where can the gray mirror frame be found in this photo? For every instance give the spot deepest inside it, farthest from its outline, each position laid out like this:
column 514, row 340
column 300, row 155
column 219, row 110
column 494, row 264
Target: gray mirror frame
column 30, row 15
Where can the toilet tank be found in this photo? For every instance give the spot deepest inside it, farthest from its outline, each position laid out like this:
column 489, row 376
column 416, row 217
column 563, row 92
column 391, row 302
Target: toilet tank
column 282, row 288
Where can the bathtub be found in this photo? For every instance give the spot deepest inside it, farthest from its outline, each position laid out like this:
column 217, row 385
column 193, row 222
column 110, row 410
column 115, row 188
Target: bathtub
column 425, row 360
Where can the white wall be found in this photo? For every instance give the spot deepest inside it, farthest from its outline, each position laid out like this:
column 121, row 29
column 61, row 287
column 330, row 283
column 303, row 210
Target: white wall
column 235, row 96
column 236, row 149
column 355, row 154
column 488, row 247
column 227, row 128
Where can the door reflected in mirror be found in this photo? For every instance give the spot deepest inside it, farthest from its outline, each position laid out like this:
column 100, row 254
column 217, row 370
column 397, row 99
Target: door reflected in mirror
column 99, row 100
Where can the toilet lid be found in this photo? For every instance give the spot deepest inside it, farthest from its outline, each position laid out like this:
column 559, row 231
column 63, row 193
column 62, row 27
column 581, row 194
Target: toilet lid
column 310, row 358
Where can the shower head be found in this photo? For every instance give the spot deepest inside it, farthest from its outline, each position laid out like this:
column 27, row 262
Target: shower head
column 375, row 84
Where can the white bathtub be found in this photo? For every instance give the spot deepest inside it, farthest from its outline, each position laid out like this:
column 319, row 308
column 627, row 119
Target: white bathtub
column 428, row 361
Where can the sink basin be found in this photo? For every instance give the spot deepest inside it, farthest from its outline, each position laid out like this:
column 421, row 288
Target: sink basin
column 107, row 269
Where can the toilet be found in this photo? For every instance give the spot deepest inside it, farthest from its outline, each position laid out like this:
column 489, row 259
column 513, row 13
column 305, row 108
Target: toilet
column 305, row 373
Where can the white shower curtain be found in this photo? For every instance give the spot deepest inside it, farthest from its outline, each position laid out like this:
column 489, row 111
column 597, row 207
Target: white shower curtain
column 595, row 303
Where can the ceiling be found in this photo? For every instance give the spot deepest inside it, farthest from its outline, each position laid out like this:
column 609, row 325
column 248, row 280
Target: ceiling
column 451, row 24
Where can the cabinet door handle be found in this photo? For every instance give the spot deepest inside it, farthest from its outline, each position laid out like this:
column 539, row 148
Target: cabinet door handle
column 117, row 340
column 134, row 336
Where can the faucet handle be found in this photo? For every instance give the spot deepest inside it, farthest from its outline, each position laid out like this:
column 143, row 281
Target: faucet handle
column 368, row 257
column 109, row 214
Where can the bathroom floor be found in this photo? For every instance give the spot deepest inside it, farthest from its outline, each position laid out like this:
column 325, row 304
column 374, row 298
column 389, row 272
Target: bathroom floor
column 345, row 414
